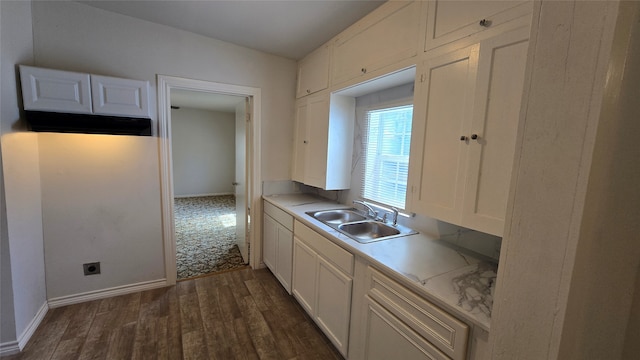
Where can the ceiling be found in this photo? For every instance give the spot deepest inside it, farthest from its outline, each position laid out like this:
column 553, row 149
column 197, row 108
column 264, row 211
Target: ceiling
column 288, row 28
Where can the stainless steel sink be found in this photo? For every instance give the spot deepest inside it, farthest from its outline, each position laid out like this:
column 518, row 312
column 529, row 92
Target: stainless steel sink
column 338, row 216
column 359, row 227
column 368, row 230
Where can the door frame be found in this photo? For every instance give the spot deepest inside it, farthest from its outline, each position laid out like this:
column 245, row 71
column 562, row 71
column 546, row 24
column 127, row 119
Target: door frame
column 165, row 85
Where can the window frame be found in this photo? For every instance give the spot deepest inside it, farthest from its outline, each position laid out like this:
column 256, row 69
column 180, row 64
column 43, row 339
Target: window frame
column 364, row 142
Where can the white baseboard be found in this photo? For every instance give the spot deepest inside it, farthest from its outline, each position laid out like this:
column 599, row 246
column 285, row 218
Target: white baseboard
column 14, row 347
column 9, row 348
column 23, row 339
column 105, row 293
column 200, row 195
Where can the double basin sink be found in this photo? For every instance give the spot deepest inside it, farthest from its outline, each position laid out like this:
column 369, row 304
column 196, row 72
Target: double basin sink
column 359, row 227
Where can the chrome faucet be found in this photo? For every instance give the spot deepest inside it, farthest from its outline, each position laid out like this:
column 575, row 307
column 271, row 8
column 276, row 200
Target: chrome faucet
column 370, row 210
column 395, row 216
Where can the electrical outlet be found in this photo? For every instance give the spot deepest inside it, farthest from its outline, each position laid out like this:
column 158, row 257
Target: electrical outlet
column 91, row 268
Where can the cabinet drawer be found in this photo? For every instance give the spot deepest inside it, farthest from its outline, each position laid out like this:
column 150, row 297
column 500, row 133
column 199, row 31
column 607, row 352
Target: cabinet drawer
column 438, row 327
column 278, row 215
column 330, row 251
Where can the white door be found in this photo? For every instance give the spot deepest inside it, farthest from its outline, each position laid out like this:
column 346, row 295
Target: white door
column 242, row 114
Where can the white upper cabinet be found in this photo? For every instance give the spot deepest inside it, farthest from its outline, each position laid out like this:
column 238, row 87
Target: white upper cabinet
column 499, row 87
column 55, row 90
column 299, row 142
column 442, row 121
column 71, row 92
column 386, row 36
column 467, row 111
column 116, row 96
column 313, row 72
column 448, row 21
column 323, row 142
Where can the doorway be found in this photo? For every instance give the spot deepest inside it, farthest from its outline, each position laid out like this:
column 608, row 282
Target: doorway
column 246, row 184
column 209, row 177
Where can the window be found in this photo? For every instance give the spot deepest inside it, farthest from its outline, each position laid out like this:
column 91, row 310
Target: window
column 386, row 155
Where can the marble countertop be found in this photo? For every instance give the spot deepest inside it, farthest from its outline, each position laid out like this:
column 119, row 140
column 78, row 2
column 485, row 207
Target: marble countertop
column 459, row 282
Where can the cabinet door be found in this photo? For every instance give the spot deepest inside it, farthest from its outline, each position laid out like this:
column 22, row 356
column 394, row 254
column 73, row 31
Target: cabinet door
column 498, row 96
column 333, row 304
column 300, row 142
column 444, row 103
column 449, row 21
column 313, row 72
column 317, row 128
column 386, row 337
column 305, row 262
column 284, row 256
column 55, row 90
column 269, row 242
column 120, row 97
column 386, row 36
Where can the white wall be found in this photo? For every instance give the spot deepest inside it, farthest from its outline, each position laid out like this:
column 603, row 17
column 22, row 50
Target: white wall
column 21, row 176
column 107, row 191
column 73, row 36
column 203, row 151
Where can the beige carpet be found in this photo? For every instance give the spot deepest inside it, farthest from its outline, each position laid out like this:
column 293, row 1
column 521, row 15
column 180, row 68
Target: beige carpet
column 206, row 235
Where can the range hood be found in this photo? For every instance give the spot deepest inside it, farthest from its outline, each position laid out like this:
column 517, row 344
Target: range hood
column 45, row 121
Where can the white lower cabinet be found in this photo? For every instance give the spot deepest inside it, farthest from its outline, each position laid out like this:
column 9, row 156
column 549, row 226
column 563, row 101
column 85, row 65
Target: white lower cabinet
column 277, row 244
column 386, row 337
column 394, row 322
column 368, row 315
column 305, row 262
column 322, row 283
column 333, row 303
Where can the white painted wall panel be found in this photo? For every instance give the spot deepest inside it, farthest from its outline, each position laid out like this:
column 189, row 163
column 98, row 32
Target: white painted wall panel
column 23, row 293
column 100, row 204
column 203, row 150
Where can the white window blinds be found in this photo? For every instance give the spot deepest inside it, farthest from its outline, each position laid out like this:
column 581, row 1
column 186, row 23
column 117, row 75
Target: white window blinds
column 386, row 155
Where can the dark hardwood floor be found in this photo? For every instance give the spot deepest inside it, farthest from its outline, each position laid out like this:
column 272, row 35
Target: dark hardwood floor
column 243, row 314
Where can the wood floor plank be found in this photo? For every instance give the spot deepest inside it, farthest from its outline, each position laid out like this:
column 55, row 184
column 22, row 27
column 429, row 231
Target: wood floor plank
column 121, row 342
column 97, row 341
column 279, row 330
column 68, row 349
column 261, row 335
column 194, row 346
column 260, row 297
column 46, row 338
column 190, row 313
column 243, row 314
column 80, row 320
column 243, row 349
column 173, row 325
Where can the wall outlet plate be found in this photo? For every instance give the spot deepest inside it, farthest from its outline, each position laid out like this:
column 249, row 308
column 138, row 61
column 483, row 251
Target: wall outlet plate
column 91, row 268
